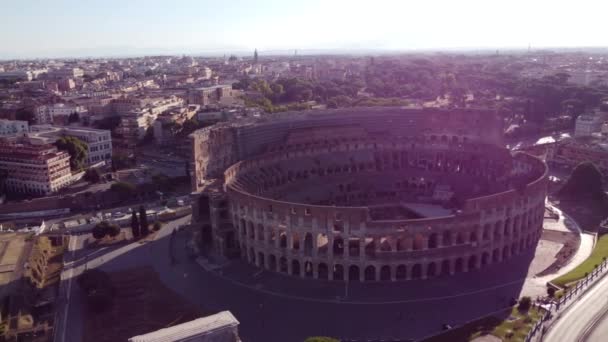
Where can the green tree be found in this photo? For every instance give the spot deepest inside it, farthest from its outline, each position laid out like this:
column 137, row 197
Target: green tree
column 524, row 304
column 76, row 148
column 99, row 231
column 25, row 115
column 92, row 175
column 112, row 230
column 156, row 226
column 584, row 183
column 134, row 224
column 143, row 221
column 320, row 339
column 74, row 117
column 123, row 189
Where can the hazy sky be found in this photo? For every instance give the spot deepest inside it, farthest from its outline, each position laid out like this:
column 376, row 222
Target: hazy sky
column 34, row 28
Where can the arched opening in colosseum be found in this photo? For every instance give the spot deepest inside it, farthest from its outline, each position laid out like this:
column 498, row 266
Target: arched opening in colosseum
column 485, row 258
column 353, row 273
column 514, row 248
column 447, row 238
column 417, row 271
column 295, row 267
column 354, row 247
column 322, row 271
column 505, row 252
column 251, row 230
column 206, row 234
column 460, row 238
column 433, row 243
column 400, row 245
column 260, row 232
column 308, row 269
column 271, row 236
column 243, row 226
column 487, row 231
column 370, row 246
column 459, row 265
column 322, row 244
column 497, row 230
column 252, row 255
column 308, row 244
column 338, row 247
column 507, row 231
column 445, row 267
column 261, row 259
column 418, row 242
column 272, row 262
column 401, row 272
column 473, row 237
column 370, row 273
column 283, row 239
column 338, row 272
column 431, row 270
column 295, row 241
column 472, row 262
column 385, row 245
column 496, row 255
column 283, row 265
column 385, row 273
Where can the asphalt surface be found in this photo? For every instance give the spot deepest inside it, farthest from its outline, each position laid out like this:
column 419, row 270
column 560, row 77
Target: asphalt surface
column 272, row 307
column 584, row 320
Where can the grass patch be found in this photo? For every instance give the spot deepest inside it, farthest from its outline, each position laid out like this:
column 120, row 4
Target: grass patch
column 599, row 252
column 510, row 325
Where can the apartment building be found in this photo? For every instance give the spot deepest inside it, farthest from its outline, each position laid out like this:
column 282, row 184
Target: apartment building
column 219, row 94
column 13, row 127
column 135, row 123
column 48, row 114
column 65, row 73
column 34, row 169
column 98, row 141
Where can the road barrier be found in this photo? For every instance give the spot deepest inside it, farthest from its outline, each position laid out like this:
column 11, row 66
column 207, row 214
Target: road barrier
column 569, row 297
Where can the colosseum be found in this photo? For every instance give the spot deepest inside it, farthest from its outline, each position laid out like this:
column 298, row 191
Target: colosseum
column 366, row 194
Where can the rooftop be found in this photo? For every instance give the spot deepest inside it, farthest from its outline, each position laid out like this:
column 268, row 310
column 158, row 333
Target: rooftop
column 198, row 327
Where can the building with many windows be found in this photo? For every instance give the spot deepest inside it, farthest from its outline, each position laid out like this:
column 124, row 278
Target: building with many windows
column 34, row 169
column 98, row 141
column 12, row 127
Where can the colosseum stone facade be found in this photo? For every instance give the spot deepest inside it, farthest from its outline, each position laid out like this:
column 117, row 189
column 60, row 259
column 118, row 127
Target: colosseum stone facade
column 383, row 194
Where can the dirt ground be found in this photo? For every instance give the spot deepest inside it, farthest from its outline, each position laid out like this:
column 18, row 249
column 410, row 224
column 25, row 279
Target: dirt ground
column 141, row 305
column 566, row 242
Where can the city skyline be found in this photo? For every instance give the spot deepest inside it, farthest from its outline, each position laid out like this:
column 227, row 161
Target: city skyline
column 69, row 28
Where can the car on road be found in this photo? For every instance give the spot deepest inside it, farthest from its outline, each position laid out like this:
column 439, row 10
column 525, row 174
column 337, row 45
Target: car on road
column 118, row 214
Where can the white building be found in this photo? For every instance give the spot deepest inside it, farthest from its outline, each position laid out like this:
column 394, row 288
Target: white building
column 98, row 141
column 16, row 75
column 586, row 125
column 66, row 73
column 47, row 114
column 12, row 127
column 221, row 327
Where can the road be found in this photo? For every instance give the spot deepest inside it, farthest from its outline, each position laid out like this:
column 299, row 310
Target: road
column 577, row 323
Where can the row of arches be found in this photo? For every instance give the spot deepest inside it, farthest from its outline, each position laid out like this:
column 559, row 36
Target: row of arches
column 308, row 268
column 342, row 244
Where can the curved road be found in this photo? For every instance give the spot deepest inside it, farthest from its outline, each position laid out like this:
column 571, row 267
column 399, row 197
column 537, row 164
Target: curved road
column 577, row 322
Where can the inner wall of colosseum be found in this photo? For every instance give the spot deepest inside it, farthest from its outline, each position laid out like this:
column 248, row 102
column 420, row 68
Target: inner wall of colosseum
column 347, row 244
